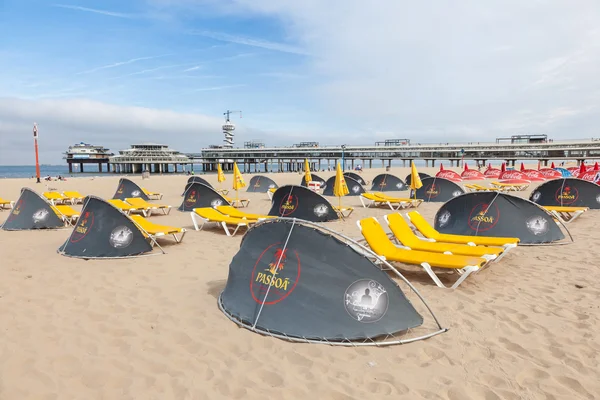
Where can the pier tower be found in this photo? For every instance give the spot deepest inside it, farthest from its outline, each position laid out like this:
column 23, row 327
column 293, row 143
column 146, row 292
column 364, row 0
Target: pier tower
column 228, row 128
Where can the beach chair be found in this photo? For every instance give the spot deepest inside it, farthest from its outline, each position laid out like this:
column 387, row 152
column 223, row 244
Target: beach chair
column 405, row 202
column 378, row 199
column 55, row 198
column 270, row 193
column 234, row 212
column 152, row 195
column 127, row 209
column 343, row 212
column 141, row 203
column 430, row 233
column 156, row 231
column 222, row 192
column 73, row 197
column 381, row 245
column 566, row 214
column 6, row 204
column 68, row 215
column 238, row 202
column 208, row 215
column 510, row 187
column 406, row 237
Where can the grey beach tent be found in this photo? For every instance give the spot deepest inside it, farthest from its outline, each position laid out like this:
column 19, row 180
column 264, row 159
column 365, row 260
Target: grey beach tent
column 497, row 215
column 387, row 183
column 103, row 231
column 300, row 281
column 354, row 187
column 261, row 184
column 31, row 211
column 196, row 179
column 315, row 178
column 438, row 190
column 570, row 192
column 422, row 175
column 128, row 189
column 198, row 195
column 356, row 177
column 299, row 202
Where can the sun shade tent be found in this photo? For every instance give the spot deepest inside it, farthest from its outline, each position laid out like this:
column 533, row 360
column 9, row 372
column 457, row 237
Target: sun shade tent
column 436, row 189
column 354, row 187
column 356, row 177
column 387, row 183
column 570, row 192
column 299, row 202
column 128, row 189
column 315, row 178
column 496, row 214
column 197, row 179
column 102, row 231
column 261, row 184
column 422, row 175
column 198, row 195
column 302, row 282
column 31, row 211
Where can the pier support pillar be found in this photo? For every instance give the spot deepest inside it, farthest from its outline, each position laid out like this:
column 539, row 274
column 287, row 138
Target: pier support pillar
column 70, row 168
column 99, row 167
column 80, row 167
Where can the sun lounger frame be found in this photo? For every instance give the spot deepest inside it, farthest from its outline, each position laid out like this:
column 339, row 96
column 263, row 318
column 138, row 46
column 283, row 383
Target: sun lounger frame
column 197, row 219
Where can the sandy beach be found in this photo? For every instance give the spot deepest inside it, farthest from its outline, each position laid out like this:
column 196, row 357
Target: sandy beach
column 149, row 328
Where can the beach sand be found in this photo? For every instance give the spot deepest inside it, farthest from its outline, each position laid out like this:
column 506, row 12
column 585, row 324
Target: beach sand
column 149, row 328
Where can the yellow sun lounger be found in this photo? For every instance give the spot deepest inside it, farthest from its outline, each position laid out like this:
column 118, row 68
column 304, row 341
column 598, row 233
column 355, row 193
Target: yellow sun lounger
column 152, row 195
column 238, row 202
column 73, row 197
column 566, row 214
column 55, row 198
column 270, row 193
column 66, row 214
column 406, row 237
column 510, row 187
column 234, row 212
column 429, row 232
column 155, row 230
column 127, row 209
column 379, row 199
column 381, row 245
column 209, row 215
column 6, row 204
column 141, row 203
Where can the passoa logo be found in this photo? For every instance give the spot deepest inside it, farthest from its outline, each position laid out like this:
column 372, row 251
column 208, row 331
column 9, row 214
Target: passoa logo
column 484, row 217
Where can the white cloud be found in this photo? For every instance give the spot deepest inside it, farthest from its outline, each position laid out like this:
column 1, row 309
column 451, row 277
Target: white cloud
column 64, row 122
column 246, row 41
column 96, row 11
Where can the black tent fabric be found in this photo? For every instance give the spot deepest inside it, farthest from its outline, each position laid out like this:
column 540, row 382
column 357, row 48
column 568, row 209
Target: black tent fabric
column 422, row 175
column 261, row 184
column 299, row 202
column 103, row 231
column 31, row 211
column 497, row 215
column 198, row 195
column 354, row 188
column 307, row 284
column 315, row 178
column 197, row 179
column 571, row 192
column 387, row 183
column 128, row 189
column 356, row 177
column 437, row 190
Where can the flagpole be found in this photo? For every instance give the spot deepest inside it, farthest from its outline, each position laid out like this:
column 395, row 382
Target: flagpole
column 37, row 157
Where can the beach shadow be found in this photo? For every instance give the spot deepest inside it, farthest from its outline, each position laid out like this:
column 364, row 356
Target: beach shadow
column 216, row 287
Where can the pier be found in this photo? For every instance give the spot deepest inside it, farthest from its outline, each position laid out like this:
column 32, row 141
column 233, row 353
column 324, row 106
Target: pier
column 280, row 159
column 151, row 157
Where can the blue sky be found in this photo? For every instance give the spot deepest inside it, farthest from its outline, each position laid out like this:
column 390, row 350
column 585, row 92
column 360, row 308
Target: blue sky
column 114, row 72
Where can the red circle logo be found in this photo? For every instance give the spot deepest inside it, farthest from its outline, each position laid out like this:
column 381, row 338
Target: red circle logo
column 288, row 205
column 276, row 274
column 484, row 217
column 191, row 198
column 567, row 195
column 432, row 191
column 83, row 227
